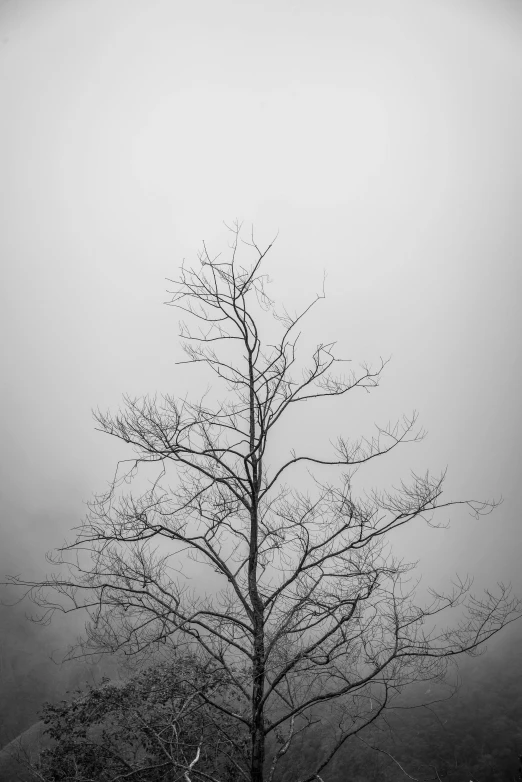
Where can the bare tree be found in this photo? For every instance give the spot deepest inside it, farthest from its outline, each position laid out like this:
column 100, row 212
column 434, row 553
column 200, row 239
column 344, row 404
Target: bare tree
column 315, row 619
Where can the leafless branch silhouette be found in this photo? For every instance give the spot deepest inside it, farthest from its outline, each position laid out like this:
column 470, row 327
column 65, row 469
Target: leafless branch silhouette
column 315, row 616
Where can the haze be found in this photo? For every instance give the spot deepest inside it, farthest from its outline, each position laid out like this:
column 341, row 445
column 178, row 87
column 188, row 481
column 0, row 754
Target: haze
column 381, row 139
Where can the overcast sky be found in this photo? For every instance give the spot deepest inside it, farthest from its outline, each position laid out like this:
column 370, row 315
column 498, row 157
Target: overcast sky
column 381, row 138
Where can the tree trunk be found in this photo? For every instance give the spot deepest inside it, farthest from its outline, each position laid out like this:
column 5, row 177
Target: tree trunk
column 258, row 686
column 258, row 662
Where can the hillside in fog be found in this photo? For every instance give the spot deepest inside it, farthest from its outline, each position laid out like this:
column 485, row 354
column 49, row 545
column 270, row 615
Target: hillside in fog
column 474, row 735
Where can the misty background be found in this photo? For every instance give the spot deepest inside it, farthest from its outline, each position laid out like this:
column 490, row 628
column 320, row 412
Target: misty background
column 380, row 140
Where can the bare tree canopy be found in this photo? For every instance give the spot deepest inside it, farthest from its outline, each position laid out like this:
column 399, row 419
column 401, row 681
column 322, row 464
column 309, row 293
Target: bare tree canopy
column 315, row 618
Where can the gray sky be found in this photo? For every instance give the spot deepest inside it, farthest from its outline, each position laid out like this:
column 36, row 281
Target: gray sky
column 380, row 137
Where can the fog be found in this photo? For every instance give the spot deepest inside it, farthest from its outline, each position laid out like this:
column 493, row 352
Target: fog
column 380, row 140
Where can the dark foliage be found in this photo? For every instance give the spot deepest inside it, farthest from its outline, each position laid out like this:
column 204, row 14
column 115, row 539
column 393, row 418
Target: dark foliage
column 154, row 727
